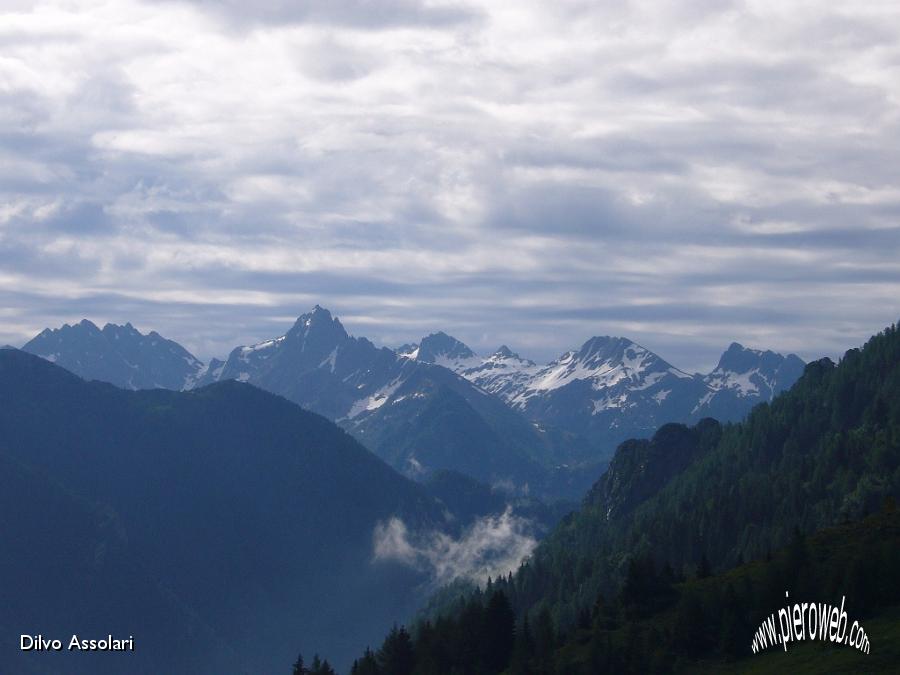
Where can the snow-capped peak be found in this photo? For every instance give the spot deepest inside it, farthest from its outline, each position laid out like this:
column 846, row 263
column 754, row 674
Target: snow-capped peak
column 754, row 372
column 611, row 371
column 506, row 356
column 442, row 350
column 440, row 346
column 604, row 361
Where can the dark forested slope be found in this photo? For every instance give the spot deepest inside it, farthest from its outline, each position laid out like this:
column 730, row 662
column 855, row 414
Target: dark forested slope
column 825, row 452
column 222, row 516
column 696, row 501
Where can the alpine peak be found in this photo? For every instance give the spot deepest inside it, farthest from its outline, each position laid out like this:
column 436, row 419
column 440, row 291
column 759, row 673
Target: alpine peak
column 318, row 324
column 443, row 349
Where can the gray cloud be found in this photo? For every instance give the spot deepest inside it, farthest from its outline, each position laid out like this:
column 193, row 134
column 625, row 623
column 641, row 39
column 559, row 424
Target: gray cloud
column 360, row 14
column 524, row 173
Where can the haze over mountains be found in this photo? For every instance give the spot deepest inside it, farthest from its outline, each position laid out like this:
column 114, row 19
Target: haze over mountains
column 418, row 417
column 318, row 544
column 438, row 405
column 120, row 355
column 672, row 560
column 237, row 518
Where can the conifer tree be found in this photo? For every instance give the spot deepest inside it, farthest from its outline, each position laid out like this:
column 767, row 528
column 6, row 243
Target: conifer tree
column 367, row 665
column 499, row 632
column 396, row 655
column 523, row 651
column 704, row 569
column 544, row 634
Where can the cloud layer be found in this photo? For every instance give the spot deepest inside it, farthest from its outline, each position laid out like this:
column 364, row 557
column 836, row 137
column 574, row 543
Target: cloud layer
column 492, row 546
column 523, row 172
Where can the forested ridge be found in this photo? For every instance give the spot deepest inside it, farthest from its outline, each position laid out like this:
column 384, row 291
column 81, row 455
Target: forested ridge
column 663, row 622
column 204, row 523
column 824, row 454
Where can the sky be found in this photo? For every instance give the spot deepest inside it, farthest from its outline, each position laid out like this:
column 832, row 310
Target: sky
column 527, row 173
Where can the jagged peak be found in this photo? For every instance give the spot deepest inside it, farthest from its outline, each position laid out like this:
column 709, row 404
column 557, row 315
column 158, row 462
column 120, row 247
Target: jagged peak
column 740, row 359
column 87, row 324
column 317, row 313
column 317, row 324
column 127, row 328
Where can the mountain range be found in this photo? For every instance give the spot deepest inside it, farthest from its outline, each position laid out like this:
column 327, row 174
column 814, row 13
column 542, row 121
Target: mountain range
column 437, row 405
column 120, row 355
column 417, row 416
column 227, row 527
column 611, row 388
column 694, row 537
column 222, row 527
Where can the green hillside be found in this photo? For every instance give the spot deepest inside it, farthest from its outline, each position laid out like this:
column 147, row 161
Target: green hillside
column 651, row 574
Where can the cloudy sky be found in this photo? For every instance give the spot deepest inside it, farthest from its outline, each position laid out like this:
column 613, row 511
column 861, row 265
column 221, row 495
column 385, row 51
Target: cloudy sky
column 534, row 173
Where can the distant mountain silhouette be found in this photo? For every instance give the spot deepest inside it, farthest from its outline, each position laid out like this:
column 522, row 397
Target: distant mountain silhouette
column 225, row 524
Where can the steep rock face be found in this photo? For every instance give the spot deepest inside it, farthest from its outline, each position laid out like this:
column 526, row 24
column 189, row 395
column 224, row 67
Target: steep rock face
column 642, row 467
column 747, row 376
column 316, row 364
column 121, row 355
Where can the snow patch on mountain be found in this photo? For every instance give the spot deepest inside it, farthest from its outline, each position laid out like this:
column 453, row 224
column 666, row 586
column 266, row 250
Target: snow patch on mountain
column 330, row 360
column 707, row 397
column 375, row 401
column 606, row 364
column 742, row 383
column 409, row 352
column 609, row 402
column 262, row 346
